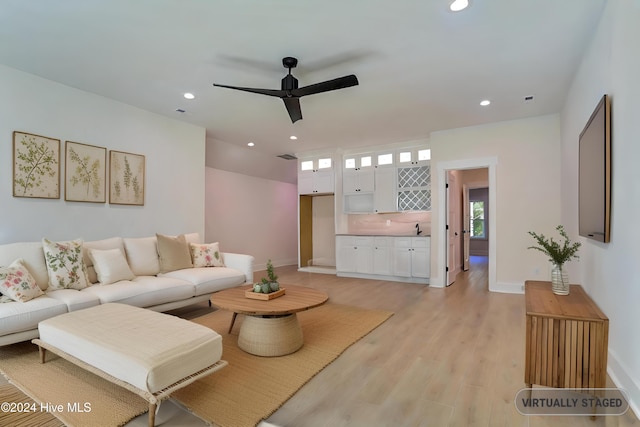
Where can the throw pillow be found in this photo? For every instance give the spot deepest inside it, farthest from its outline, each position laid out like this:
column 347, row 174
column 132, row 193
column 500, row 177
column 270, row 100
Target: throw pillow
column 65, row 265
column 206, row 255
column 142, row 254
column 173, row 253
column 111, row 265
column 17, row 283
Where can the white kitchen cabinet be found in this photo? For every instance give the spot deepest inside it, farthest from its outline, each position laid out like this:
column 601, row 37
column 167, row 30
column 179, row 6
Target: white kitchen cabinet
column 403, row 259
column 411, row 257
column 360, row 180
column 316, row 176
column 382, row 255
column 354, row 254
column 385, row 194
column 413, row 157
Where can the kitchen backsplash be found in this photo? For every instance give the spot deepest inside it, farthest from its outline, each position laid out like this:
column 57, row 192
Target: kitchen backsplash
column 390, row 223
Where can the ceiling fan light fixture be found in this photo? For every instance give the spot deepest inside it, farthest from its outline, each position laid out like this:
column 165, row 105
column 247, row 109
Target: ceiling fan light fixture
column 458, row 5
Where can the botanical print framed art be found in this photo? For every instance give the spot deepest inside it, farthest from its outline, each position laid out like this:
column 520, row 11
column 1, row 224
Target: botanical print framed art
column 36, row 166
column 85, row 173
column 126, row 178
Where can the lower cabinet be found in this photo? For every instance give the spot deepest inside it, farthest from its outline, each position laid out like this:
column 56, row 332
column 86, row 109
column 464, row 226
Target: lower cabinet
column 384, row 257
column 354, row 254
column 411, row 257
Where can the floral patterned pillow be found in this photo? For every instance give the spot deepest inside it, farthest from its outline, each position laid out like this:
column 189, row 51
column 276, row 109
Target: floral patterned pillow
column 65, row 264
column 206, row 255
column 17, row 283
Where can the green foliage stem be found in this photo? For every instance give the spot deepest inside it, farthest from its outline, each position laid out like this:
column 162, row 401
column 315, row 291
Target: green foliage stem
column 557, row 253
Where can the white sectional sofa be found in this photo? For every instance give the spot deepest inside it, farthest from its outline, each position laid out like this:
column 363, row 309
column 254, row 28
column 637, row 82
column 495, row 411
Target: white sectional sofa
column 150, row 288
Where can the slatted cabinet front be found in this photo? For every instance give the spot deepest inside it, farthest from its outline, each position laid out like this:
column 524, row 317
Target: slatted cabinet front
column 566, row 338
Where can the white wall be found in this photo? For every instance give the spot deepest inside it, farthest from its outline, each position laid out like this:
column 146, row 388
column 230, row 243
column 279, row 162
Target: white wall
column 174, row 151
column 253, row 216
column 527, row 191
column 608, row 271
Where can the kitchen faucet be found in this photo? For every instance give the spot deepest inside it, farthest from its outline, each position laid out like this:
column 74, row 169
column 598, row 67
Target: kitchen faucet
column 418, row 231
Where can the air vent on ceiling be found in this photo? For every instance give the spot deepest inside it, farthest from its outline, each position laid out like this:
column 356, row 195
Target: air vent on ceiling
column 287, row 156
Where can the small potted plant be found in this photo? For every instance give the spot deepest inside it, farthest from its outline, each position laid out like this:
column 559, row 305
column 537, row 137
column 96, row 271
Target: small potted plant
column 558, row 253
column 268, row 284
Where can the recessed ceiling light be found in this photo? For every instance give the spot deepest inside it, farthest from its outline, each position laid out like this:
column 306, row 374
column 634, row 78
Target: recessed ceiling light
column 458, row 5
column 293, row 137
column 189, row 95
column 251, row 144
column 485, row 102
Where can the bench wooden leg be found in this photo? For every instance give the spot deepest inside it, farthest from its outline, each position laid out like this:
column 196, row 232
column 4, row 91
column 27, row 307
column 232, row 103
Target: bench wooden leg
column 152, row 414
column 43, row 353
column 233, row 320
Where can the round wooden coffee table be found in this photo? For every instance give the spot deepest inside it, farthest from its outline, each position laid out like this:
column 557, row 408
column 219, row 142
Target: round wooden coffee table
column 271, row 327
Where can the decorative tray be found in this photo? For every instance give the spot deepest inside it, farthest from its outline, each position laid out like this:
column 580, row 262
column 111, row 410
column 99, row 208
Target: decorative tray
column 265, row 297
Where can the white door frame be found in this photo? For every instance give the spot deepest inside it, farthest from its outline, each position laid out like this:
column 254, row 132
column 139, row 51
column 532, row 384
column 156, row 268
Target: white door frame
column 441, row 170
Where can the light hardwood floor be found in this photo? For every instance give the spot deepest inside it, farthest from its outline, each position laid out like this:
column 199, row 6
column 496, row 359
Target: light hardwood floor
column 447, row 357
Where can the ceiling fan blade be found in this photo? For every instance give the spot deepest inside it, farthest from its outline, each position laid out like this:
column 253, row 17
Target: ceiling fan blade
column 339, row 83
column 269, row 92
column 293, row 107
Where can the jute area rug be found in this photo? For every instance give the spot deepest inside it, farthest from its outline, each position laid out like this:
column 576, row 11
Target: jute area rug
column 248, row 390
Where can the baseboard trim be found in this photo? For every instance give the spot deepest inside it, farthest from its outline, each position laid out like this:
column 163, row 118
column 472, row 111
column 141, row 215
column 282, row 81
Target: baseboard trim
column 620, row 376
column 508, row 288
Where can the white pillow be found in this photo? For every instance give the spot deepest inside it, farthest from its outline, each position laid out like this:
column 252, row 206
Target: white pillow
column 142, row 253
column 17, row 283
column 206, row 255
column 65, row 264
column 111, row 265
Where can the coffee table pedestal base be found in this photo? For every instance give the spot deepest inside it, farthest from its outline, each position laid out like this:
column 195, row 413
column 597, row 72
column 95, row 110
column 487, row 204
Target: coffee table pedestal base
column 270, row 336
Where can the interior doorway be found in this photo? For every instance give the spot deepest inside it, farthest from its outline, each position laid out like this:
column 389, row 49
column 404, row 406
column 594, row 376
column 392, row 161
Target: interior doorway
column 455, row 222
column 317, row 245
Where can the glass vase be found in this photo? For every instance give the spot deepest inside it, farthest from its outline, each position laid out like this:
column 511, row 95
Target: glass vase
column 559, row 280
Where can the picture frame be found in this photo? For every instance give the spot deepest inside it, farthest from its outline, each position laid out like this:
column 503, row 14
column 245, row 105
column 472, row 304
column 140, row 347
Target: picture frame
column 36, row 166
column 126, row 178
column 85, row 173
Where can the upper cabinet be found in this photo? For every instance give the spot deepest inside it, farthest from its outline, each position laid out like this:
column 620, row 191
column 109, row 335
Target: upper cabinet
column 357, row 174
column 316, row 175
column 413, row 157
column 391, row 180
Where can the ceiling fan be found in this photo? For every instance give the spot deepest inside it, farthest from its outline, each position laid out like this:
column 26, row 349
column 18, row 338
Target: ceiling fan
column 291, row 93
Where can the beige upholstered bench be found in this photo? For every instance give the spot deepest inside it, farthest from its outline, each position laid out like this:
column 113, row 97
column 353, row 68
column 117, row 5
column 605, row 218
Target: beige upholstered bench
column 149, row 353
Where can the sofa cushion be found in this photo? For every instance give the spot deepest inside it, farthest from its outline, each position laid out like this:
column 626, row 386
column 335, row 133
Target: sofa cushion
column 173, row 253
column 143, row 291
column 110, row 265
column 65, row 264
column 33, row 257
column 142, row 254
column 17, row 283
column 209, row 280
column 24, row 316
column 73, row 298
column 111, row 243
column 206, row 255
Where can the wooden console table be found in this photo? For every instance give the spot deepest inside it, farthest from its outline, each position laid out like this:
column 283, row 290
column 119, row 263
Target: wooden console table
column 566, row 338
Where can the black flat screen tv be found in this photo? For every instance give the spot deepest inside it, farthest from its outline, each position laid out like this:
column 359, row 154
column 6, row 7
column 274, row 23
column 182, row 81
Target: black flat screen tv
column 594, row 200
